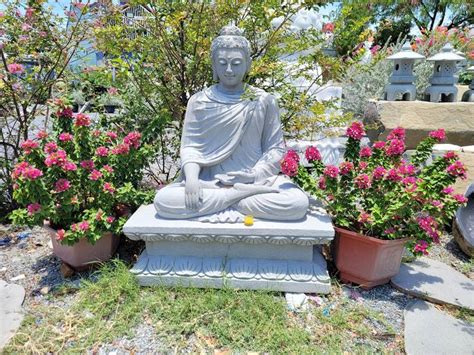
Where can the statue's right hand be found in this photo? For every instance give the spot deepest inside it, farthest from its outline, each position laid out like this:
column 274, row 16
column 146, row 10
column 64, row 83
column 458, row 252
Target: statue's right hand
column 192, row 194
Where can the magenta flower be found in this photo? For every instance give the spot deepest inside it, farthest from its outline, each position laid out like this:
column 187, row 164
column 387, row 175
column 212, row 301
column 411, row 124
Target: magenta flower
column 33, row 208
column 439, row 135
column 292, row 154
column 69, row 166
column 15, row 68
column 407, row 169
column 289, row 166
column 108, row 168
column 83, row 226
column 65, row 113
column 448, row 190
column 87, row 164
column 331, row 171
column 379, row 172
column 32, row 173
column 457, row 169
column 322, row 183
column 397, row 133
column 365, row 152
column 362, row 181
column 102, row 151
column 65, row 137
column 50, row 147
column 81, row 120
column 395, row 147
column 110, row 219
column 62, row 185
column 19, row 169
column 121, row 149
column 346, row 167
column 437, row 203
column 450, row 155
column 56, row 158
column 429, row 225
column 379, row 145
column 60, row 234
column 95, row 175
column 393, row 175
column 108, row 187
column 356, row 131
column 29, row 145
column 364, row 217
column 42, row 135
column 421, row 247
column 111, row 135
column 363, row 165
column 133, row 139
column 311, row 154
column 460, row 198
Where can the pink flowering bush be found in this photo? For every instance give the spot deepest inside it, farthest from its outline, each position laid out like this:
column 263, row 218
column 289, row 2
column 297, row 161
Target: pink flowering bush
column 377, row 193
column 79, row 177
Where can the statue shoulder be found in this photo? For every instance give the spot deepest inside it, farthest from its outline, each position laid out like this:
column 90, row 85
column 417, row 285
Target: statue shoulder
column 261, row 95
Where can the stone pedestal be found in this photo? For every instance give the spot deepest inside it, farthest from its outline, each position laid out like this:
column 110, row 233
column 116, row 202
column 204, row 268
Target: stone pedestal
column 279, row 256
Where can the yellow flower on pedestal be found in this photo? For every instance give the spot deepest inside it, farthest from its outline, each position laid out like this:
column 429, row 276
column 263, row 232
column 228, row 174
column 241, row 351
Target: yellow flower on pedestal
column 248, row 220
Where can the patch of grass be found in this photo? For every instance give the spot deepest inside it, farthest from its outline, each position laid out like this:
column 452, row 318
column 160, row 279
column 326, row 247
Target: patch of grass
column 200, row 319
column 467, row 267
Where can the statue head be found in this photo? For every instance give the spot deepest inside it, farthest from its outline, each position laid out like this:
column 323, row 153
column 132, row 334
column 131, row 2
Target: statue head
column 230, row 55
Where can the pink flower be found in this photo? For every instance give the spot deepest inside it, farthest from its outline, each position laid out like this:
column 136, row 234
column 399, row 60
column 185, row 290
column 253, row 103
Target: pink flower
column 379, row 172
column 328, row 27
column 110, row 219
column 32, row 173
column 396, row 147
column 26, row 27
column 421, row 247
column 62, row 185
column 362, row 181
column 375, row 49
column 65, row 113
column 42, row 134
column 365, row 152
column 457, row 169
column 450, row 155
column 121, row 149
column 364, row 217
column 111, row 135
column 29, row 12
column 346, row 167
column 102, row 151
column 84, row 226
column 429, row 225
column 409, row 180
column 69, row 166
column 289, row 166
column 363, row 165
column 406, row 169
column 389, row 231
column 312, row 153
column 293, row 155
column 448, row 190
column 108, row 168
column 95, row 175
column 50, row 147
column 355, row 130
column 397, row 133
column 322, row 183
column 79, row 5
column 56, row 158
column 439, row 135
column 19, row 169
column 60, row 234
column 460, row 198
column 65, row 137
column 437, row 203
column 331, row 171
column 108, row 187
column 112, row 91
column 29, row 145
column 87, row 164
column 33, row 208
column 379, row 145
column 81, row 120
column 15, row 68
column 393, row 175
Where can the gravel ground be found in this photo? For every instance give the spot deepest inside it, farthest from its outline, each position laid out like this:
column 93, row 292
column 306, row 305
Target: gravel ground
column 28, row 260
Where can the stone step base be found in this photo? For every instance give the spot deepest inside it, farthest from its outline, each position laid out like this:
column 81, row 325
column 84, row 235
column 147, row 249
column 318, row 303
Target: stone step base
column 219, row 272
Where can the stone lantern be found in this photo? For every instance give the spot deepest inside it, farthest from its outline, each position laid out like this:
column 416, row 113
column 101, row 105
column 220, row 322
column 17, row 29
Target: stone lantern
column 443, row 81
column 401, row 80
column 468, row 96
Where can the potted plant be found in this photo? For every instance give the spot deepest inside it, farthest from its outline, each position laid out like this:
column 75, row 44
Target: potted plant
column 78, row 179
column 380, row 202
column 78, row 100
column 110, row 100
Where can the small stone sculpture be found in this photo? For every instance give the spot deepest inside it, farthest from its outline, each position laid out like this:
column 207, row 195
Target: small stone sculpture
column 468, row 96
column 443, row 88
column 231, row 148
column 401, row 80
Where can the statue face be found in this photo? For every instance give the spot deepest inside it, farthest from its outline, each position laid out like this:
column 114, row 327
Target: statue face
column 230, row 66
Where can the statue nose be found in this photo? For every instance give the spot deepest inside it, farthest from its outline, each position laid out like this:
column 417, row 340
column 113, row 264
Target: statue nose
column 229, row 68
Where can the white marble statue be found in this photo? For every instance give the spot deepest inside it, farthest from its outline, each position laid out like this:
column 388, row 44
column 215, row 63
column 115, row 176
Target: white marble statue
column 231, row 148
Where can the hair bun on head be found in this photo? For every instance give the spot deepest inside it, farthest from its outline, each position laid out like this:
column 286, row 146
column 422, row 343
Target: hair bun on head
column 231, row 30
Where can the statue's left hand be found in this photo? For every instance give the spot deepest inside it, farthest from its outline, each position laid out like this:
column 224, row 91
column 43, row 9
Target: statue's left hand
column 234, row 177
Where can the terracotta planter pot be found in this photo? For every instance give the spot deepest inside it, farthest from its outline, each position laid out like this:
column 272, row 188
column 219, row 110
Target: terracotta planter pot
column 365, row 260
column 83, row 255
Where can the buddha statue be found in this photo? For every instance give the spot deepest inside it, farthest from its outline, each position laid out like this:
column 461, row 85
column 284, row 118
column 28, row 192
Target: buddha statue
column 231, row 148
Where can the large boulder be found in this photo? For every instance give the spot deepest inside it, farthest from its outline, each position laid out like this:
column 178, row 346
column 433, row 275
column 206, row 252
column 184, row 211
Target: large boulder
column 419, row 118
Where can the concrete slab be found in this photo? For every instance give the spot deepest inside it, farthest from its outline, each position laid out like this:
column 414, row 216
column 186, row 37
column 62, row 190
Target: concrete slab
column 430, row 331
column 11, row 316
column 436, row 282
